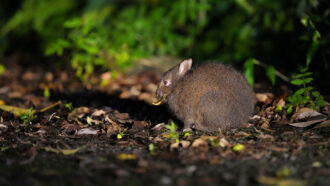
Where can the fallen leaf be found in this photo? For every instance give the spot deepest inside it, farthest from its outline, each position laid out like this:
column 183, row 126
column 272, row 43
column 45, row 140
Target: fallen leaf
column 280, row 181
column 305, row 113
column 125, row 156
column 240, row 134
column 306, row 123
column 91, row 121
column 266, row 98
column 323, row 124
column 277, row 149
column 17, row 111
column 87, row 131
column 224, row 143
column 199, row 142
column 63, row 151
column 98, row 112
column 281, row 103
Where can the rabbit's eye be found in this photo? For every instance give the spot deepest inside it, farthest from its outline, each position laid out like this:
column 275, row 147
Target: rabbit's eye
column 166, row 83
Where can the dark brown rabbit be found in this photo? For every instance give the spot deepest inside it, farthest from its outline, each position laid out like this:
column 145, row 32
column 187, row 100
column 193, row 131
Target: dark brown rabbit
column 209, row 97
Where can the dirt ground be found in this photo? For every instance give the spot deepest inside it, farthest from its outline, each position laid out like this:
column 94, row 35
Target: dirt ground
column 106, row 132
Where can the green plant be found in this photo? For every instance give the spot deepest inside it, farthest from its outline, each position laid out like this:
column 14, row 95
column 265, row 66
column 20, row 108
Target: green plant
column 121, row 133
column 271, row 72
column 214, row 142
column 46, row 92
column 306, row 95
column 2, row 69
column 238, row 147
column 28, row 116
column 151, row 149
column 174, row 134
column 68, row 105
column 186, row 134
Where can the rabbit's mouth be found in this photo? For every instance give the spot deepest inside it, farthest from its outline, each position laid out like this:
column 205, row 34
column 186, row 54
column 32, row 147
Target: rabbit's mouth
column 160, row 100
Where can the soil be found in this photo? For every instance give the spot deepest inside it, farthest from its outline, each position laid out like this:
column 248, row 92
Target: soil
column 106, row 132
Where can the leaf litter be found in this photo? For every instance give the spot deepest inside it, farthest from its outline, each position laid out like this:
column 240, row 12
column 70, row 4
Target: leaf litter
column 82, row 137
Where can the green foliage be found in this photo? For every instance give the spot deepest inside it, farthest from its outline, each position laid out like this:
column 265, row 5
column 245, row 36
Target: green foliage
column 214, row 143
column 271, row 72
column 306, row 95
column 186, row 134
column 174, row 134
column 151, row 149
column 248, row 71
column 27, row 117
column 101, row 34
column 2, row 69
column 68, row 105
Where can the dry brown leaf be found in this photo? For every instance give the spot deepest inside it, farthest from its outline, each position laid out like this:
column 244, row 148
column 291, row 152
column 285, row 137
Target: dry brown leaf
column 306, row 123
column 323, row 124
column 304, row 113
column 87, row 131
column 91, row 121
column 277, row 149
column 98, row 112
column 281, row 103
column 199, row 142
column 240, row 134
column 266, row 136
column 224, row 143
column 125, row 156
column 266, row 98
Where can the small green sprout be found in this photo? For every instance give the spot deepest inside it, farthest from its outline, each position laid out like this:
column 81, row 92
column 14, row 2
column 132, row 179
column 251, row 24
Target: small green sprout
column 28, row 116
column 2, row 69
column 121, row 133
column 151, row 149
column 285, row 172
column 173, row 132
column 46, row 92
column 186, row 134
column 68, row 105
column 214, row 143
column 3, row 149
column 278, row 108
column 238, row 147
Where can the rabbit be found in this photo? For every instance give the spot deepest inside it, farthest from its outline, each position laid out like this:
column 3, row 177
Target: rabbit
column 209, row 97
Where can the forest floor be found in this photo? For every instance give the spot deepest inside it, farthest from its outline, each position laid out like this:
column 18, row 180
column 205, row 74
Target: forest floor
column 106, row 132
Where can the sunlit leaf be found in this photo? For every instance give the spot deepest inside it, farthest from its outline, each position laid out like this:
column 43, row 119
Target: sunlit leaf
column 271, row 73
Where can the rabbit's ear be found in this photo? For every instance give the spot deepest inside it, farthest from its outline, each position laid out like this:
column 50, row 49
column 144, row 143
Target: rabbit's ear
column 185, row 66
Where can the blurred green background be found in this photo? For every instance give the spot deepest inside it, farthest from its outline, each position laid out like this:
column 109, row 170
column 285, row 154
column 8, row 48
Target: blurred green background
column 113, row 34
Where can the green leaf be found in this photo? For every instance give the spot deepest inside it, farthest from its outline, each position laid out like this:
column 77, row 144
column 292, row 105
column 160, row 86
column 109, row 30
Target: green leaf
column 248, row 71
column 2, row 69
column 73, row 23
column 46, row 92
column 302, row 75
column 315, row 93
column 297, row 82
column 307, row 80
column 309, row 89
column 300, row 91
column 271, row 73
column 289, row 110
column 238, row 147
